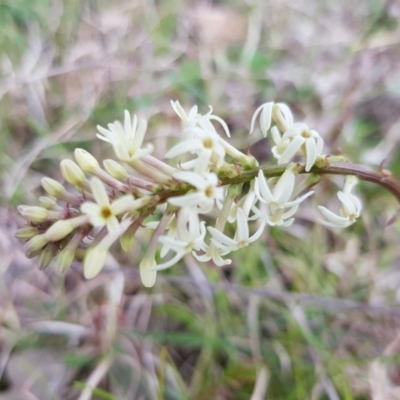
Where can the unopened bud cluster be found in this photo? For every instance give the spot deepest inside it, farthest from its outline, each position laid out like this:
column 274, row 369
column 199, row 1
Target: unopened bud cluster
column 112, row 203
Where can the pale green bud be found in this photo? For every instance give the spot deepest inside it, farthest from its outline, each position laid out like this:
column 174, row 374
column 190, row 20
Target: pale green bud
column 116, row 170
column 94, row 261
column 27, row 232
column 53, row 188
column 62, row 228
column 86, row 161
column 72, row 173
column 148, row 277
column 33, row 213
column 47, row 254
column 34, row 246
column 48, row 203
column 65, row 259
column 127, row 241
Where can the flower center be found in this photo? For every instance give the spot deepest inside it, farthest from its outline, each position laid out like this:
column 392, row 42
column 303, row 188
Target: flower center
column 106, row 212
column 208, row 143
column 209, row 192
column 306, row 134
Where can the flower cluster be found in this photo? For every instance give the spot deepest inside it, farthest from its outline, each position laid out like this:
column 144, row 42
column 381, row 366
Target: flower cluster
column 111, row 203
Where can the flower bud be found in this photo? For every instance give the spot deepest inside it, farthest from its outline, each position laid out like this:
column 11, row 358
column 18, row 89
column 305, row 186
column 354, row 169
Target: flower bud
column 94, row 261
column 127, row 239
column 27, row 232
column 47, row 254
column 72, row 173
column 62, row 228
column 86, row 161
column 48, row 203
column 116, row 170
column 33, row 213
column 65, row 259
column 148, row 277
column 53, row 188
column 35, row 245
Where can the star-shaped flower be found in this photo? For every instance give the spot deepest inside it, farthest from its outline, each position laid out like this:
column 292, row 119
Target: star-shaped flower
column 299, row 139
column 103, row 213
column 205, row 195
column 126, row 140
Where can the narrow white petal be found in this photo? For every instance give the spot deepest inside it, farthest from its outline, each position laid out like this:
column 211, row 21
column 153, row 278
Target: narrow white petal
column 311, row 151
column 287, row 114
column 348, row 204
column 219, row 237
column 283, row 189
column 294, row 131
column 190, row 177
column 242, row 227
column 169, row 263
column 112, row 225
column 99, row 192
column 255, row 115
column 91, row 209
column 173, row 243
column 290, row 212
column 263, row 188
column 265, row 118
column 139, row 135
column 222, row 122
column 299, row 199
column 288, row 222
column 187, row 200
column 127, row 123
column 291, row 150
column 331, row 217
column 202, row 162
column 188, row 146
column 259, row 232
column 276, row 136
column 122, row 204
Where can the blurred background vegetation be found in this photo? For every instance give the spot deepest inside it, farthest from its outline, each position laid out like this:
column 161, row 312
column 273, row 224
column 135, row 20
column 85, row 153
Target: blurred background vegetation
column 305, row 313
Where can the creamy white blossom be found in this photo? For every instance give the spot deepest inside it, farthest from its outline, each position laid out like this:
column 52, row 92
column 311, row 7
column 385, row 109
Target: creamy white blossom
column 204, row 197
column 127, row 140
column 193, row 119
column 104, row 213
column 214, row 253
column 280, row 197
column 299, row 139
column 206, row 144
column 350, row 210
column 190, row 237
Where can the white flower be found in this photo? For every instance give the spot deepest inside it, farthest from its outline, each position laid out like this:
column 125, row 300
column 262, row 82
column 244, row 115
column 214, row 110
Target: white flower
column 214, row 253
column 204, row 142
column 301, row 139
column 193, row 118
column 103, row 212
column 127, row 140
column 280, row 197
column 205, row 195
column 190, row 237
column 350, row 210
column 242, row 237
